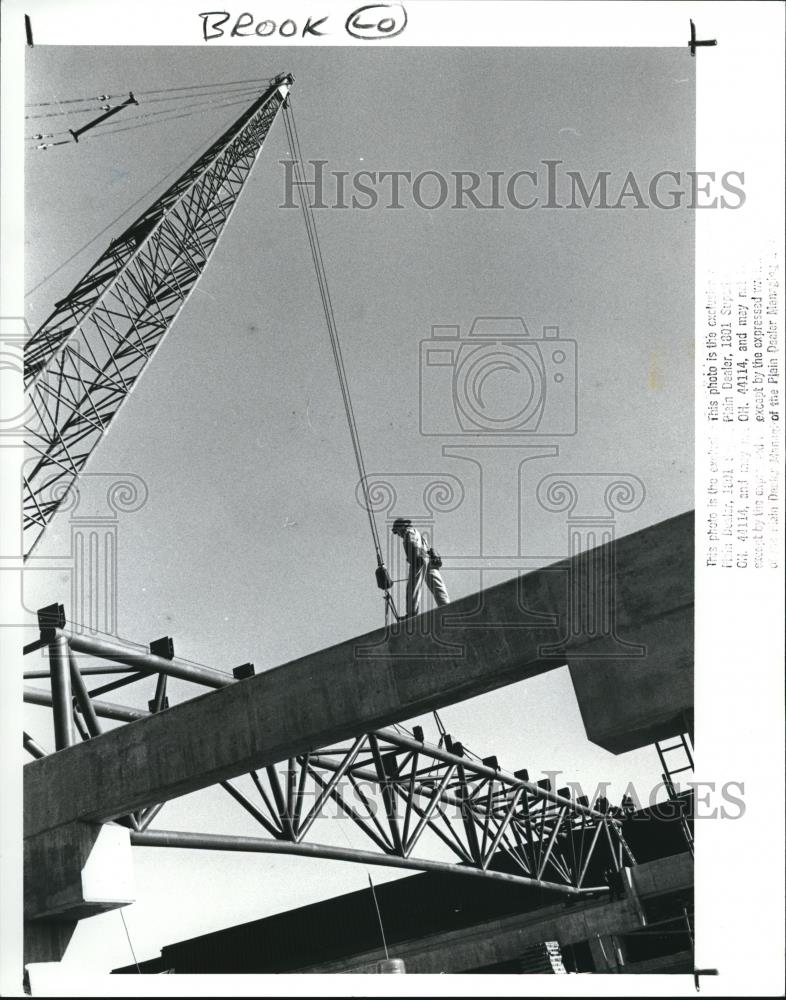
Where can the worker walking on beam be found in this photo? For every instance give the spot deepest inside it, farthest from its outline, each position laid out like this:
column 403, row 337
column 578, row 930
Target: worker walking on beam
column 424, row 565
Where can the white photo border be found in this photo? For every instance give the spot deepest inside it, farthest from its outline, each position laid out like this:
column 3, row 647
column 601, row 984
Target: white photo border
column 739, row 613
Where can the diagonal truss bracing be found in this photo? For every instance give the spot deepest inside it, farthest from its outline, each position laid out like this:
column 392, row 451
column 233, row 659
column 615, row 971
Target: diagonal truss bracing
column 85, row 359
column 415, row 804
column 412, row 799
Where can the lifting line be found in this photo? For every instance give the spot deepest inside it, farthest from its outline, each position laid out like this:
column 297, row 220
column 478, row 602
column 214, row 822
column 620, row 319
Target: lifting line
column 170, row 114
column 384, row 581
column 256, row 81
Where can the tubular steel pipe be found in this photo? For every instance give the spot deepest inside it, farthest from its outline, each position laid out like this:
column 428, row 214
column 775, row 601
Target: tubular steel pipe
column 150, row 814
column 30, row 675
column 83, row 698
column 32, row 747
column 61, row 692
column 425, row 786
column 141, row 660
column 104, row 709
column 422, row 786
column 255, row 845
column 391, row 736
column 159, row 698
column 79, row 724
column 428, row 812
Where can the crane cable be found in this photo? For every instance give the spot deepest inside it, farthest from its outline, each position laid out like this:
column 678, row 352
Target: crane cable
column 384, row 581
column 383, row 578
column 209, row 95
column 144, row 93
column 183, row 112
column 169, row 113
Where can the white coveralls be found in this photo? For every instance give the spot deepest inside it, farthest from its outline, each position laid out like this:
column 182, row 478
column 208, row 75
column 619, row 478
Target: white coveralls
column 420, row 569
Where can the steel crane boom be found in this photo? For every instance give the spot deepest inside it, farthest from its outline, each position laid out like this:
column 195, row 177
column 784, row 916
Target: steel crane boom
column 87, row 356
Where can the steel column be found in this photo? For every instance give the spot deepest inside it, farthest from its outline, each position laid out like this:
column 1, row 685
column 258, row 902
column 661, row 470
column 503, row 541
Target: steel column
column 61, row 692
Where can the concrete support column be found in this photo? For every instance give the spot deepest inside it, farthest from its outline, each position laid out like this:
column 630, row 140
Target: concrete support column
column 605, row 953
column 47, row 940
column 71, row 872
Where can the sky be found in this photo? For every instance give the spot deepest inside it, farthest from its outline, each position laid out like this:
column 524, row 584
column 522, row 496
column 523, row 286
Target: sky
column 251, row 544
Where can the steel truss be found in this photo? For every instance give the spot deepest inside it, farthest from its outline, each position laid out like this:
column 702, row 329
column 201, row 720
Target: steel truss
column 400, row 791
column 85, row 359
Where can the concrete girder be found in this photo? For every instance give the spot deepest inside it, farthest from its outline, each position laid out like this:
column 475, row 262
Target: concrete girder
column 502, row 635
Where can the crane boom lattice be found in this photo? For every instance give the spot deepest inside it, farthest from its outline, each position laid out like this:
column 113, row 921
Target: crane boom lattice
column 85, row 359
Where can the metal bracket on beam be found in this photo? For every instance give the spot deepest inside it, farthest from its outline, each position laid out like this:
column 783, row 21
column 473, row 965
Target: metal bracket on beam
column 51, row 618
column 243, row 672
column 163, row 647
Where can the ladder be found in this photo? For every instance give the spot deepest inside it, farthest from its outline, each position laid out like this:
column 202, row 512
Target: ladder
column 683, row 763
column 679, row 761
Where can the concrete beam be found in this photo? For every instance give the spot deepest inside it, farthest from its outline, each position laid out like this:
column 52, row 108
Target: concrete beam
column 494, row 941
column 629, row 701
column 504, row 634
column 671, row 874
column 77, row 871
column 72, row 872
column 505, row 939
